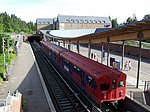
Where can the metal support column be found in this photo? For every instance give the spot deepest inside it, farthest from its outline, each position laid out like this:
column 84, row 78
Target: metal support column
column 69, row 45
column 140, row 35
column 78, row 47
column 122, row 55
column 89, row 48
column 58, row 43
column 102, row 55
column 64, row 44
column 108, row 50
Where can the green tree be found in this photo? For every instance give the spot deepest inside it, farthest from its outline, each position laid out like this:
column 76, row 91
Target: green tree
column 146, row 16
column 1, row 24
column 114, row 22
column 14, row 24
column 131, row 20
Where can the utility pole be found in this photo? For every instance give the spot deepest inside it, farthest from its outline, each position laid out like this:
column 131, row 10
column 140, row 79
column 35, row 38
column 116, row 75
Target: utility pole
column 3, row 49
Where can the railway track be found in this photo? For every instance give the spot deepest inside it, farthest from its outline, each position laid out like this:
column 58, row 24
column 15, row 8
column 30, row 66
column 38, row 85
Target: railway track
column 63, row 98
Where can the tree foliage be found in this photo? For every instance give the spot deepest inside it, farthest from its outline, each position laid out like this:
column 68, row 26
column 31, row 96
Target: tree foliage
column 131, row 20
column 14, row 24
column 114, row 22
column 146, row 16
column 6, row 39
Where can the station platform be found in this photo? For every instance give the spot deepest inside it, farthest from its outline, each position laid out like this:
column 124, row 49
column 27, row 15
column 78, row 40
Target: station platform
column 25, row 78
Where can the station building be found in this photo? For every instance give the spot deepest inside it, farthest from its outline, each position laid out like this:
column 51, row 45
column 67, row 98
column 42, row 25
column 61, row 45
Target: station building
column 44, row 24
column 65, row 22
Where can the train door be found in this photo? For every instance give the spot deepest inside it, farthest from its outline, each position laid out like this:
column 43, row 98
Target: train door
column 83, row 79
column 89, row 84
column 114, row 85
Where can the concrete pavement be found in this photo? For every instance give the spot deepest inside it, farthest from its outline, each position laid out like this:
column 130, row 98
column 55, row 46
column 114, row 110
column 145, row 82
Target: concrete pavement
column 24, row 77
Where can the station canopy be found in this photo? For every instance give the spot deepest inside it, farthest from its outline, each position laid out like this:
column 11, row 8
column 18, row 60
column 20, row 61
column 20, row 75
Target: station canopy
column 98, row 35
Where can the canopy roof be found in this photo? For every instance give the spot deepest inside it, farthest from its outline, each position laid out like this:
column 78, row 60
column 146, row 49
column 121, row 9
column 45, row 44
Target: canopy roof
column 125, row 32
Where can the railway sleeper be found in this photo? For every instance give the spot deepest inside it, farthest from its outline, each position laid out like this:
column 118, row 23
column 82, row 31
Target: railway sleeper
column 62, row 102
column 64, row 99
column 58, row 91
column 67, row 107
column 68, row 104
column 60, row 96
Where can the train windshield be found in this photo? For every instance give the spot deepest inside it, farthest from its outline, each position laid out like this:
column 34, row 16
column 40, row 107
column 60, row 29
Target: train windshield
column 104, row 87
column 121, row 84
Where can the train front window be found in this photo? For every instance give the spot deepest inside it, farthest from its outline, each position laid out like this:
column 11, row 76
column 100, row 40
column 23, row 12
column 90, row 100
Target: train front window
column 114, row 84
column 104, row 87
column 121, row 84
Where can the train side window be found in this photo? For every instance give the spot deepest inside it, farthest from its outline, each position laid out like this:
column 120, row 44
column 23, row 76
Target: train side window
column 50, row 53
column 104, row 87
column 121, row 84
column 89, row 81
column 77, row 71
column 55, row 55
column 66, row 62
column 61, row 58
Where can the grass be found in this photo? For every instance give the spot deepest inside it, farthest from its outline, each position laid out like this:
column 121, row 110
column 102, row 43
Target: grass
column 2, row 67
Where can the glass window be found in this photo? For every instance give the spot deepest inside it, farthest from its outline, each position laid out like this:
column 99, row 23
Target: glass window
column 77, row 71
column 104, row 87
column 81, row 21
column 89, row 80
column 121, row 84
column 114, row 84
column 66, row 62
column 68, row 20
column 50, row 53
column 55, row 56
column 99, row 21
column 95, row 21
column 72, row 20
column 103, row 21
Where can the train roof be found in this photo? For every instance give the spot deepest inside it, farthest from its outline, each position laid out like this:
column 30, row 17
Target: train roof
column 54, row 47
column 92, row 68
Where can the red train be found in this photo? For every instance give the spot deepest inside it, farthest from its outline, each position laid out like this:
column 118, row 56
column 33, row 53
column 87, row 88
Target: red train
column 99, row 81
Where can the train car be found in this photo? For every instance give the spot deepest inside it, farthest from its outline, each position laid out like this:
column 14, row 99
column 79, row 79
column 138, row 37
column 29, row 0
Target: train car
column 97, row 80
column 52, row 51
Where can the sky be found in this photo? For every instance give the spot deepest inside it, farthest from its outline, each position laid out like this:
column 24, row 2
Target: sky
column 30, row 10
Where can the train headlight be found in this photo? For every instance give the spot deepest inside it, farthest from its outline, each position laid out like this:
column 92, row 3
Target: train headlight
column 104, row 95
column 120, row 93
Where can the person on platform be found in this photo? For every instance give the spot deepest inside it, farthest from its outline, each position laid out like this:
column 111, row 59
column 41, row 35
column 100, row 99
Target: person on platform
column 130, row 66
column 126, row 66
